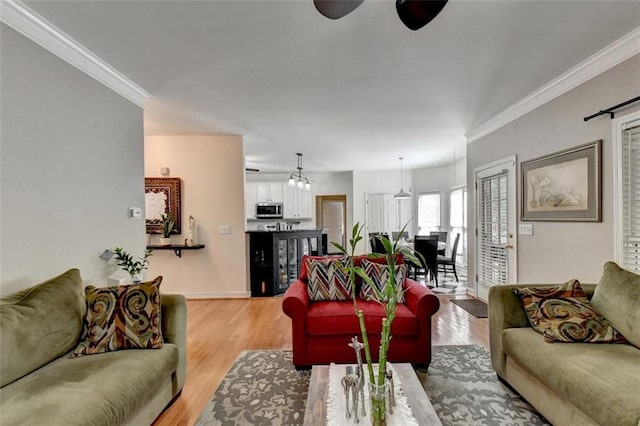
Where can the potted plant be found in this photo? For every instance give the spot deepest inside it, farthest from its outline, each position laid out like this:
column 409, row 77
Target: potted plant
column 168, row 225
column 133, row 267
column 388, row 296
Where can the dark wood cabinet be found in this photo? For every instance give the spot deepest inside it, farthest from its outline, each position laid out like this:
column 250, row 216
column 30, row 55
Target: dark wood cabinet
column 275, row 257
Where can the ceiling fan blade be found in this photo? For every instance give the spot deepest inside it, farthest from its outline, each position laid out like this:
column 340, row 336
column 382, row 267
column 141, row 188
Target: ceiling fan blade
column 336, row 9
column 415, row 14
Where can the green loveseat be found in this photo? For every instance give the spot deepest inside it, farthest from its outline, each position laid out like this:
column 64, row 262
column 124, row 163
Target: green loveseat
column 42, row 385
column 573, row 383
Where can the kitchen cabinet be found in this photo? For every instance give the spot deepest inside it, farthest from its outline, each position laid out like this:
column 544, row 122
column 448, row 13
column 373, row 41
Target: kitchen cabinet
column 275, row 258
column 250, row 199
column 269, row 192
column 298, row 203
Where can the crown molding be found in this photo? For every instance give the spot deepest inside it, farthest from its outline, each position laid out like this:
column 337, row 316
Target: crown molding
column 617, row 52
column 24, row 20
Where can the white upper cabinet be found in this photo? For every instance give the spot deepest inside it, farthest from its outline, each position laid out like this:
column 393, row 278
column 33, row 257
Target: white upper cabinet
column 298, row 203
column 269, row 192
column 250, row 199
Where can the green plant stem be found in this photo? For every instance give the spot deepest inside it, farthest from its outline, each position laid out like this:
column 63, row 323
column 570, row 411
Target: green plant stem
column 365, row 342
column 384, row 346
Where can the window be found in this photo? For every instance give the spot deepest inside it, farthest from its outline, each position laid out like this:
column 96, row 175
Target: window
column 628, row 192
column 458, row 220
column 428, row 212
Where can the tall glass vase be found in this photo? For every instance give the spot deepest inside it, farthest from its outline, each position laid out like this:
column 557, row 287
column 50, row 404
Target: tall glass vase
column 378, row 397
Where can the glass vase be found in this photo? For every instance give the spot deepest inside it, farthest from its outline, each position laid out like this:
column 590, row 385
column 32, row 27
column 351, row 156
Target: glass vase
column 378, row 397
column 136, row 278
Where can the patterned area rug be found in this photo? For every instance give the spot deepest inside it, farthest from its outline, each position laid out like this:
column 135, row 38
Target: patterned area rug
column 475, row 307
column 263, row 388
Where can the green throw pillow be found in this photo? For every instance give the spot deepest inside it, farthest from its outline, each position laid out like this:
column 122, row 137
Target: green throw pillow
column 563, row 314
column 617, row 297
column 121, row 317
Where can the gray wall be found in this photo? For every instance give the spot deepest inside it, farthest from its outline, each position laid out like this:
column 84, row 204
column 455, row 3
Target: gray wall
column 559, row 251
column 71, row 165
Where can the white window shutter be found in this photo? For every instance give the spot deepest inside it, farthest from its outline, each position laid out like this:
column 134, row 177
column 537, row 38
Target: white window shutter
column 630, row 172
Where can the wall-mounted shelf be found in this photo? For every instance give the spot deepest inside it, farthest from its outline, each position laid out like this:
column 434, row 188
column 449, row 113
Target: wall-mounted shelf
column 177, row 248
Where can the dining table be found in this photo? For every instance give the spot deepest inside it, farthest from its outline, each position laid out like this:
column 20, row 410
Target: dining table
column 441, row 244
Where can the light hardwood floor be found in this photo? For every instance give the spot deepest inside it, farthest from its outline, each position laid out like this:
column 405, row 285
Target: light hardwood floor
column 218, row 330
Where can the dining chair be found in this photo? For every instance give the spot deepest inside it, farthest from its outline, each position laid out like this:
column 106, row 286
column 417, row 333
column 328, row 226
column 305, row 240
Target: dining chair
column 376, row 244
column 444, row 262
column 427, row 246
column 442, row 237
column 396, row 235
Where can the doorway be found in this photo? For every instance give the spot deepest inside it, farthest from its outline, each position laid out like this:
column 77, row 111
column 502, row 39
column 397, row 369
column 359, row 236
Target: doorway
column 496, row 254
column 331, row 215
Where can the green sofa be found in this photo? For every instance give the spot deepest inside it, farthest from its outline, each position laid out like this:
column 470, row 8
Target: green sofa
column 41, row 384
column 573, row 383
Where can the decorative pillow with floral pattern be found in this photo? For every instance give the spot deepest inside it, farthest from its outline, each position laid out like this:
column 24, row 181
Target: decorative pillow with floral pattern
column 563, row 314
column 121, row 317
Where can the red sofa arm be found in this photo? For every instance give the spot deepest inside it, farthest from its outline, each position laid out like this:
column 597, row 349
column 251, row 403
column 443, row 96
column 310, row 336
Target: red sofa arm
column 296, row 301
column 295, row 305
column 420, row 299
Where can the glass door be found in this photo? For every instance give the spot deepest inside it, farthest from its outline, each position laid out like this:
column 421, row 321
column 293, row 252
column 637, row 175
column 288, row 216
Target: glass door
column 292, row 260
column 495, row 221
column 283, row 264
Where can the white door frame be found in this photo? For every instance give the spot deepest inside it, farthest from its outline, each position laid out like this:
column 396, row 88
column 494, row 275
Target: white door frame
column 509, row 164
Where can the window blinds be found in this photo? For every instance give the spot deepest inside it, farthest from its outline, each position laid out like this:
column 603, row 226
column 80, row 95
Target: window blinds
column 493, row 230
column 631, row 196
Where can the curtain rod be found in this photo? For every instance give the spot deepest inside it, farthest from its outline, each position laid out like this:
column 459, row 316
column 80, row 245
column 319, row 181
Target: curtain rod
column 611, row 109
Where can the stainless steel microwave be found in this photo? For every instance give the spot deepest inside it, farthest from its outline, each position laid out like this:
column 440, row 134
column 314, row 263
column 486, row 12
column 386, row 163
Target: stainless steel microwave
column 269, row 210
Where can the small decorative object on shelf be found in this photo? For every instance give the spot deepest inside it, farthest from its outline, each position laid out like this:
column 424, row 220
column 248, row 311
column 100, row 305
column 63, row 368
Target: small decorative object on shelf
column 168, row 225
column 388, row 296
column 191, row 236
column 133, row 267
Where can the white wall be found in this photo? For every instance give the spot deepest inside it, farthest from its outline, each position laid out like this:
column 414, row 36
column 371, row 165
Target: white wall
column 211, row 168
column 71, row 166
column 559, row 251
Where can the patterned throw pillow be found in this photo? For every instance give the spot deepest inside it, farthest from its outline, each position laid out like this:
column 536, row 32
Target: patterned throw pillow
column 563, row 314
column 328, row 280
column 121, row 317
column 379, row 274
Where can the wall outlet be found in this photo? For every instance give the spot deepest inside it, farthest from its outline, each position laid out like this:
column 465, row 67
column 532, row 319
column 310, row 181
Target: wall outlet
column 225, row 229
column 525, row 229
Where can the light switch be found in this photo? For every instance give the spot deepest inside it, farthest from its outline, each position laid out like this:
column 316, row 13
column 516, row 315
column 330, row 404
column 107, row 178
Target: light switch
column 526, row 229
column 225, row 229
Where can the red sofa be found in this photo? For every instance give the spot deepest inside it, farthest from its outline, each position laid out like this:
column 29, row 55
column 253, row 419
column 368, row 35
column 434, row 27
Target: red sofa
column 321, row 330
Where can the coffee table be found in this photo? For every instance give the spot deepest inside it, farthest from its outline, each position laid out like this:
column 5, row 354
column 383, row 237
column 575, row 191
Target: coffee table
column 315, row 412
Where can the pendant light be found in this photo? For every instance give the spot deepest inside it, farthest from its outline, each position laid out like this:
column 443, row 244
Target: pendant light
column 401, row 195
column 297, row 179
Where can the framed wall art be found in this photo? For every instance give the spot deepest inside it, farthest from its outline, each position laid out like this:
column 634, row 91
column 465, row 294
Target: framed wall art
column 162, row 196
column 563, row 186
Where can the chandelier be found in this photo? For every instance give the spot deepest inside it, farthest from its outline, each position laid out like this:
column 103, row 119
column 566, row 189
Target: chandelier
column 297, row 179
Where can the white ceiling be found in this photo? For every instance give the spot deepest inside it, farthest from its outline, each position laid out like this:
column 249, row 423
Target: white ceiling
column 351, row 94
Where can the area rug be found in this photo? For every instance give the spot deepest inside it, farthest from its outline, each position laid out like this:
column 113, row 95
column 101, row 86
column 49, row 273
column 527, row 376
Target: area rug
column 475, row 307
column 263, row 388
